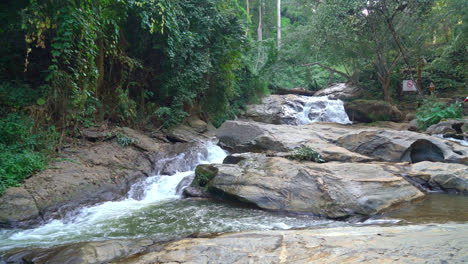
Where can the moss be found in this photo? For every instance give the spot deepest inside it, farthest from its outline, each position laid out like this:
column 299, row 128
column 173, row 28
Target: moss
column 203, row 175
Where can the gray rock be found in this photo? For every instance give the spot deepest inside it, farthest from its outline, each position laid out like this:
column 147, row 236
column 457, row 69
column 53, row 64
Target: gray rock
column 339, row 142
column 342, row 91
column 330, row 189
column 17, row 206
column 395, row 146
column 367, row 111
column 363, row 244
column 275, row 109
column 444, row 176
column 198, row 125
column 88, row 252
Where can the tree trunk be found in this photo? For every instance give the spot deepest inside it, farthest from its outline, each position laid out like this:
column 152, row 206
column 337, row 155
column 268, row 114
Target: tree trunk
column 259, row 33
column 278, row 17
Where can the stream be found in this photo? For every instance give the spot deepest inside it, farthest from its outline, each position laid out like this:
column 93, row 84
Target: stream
column 155, row 208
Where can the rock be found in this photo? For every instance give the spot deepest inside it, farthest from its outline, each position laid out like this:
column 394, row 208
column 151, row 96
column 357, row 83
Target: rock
column 195, row 192
column 447, row 128
column 198, row 125
column 395, row 146
column 410, row 116
column 17, row 206
column 339, row 143
column 82, row 176
column 297, row 110
column 363, row 244
column 88, row 252
column 331, row 189
column 342, row 91
column 97, row 134
column 178, row 157
column 367, row 111
column 413, row 125
column 441, row 176
column 183, row 133
column 275, row 109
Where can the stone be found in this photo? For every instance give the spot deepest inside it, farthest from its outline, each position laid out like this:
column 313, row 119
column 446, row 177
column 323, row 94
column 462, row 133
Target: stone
column 441, row 176
column 87, row 252
column 342, row 91
column 17, row 206
column 275, row 109
column 198, row 125
column 185, row 134
column 396, row 146
column 413, row 125
column 332, row 189
column 367, row 111
column 337, row 142
column 363, row 244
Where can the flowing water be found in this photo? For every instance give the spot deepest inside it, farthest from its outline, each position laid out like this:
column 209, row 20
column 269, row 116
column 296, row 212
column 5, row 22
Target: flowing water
column 158, row 212
column 322, row 109
column 154, row 207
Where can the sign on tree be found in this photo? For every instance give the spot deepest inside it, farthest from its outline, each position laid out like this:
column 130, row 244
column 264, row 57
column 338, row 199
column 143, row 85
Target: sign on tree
column 409, row 86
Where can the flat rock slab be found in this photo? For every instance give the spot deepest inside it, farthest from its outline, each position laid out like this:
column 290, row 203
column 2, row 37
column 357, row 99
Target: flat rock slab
column 331, row 189
column 401, row 244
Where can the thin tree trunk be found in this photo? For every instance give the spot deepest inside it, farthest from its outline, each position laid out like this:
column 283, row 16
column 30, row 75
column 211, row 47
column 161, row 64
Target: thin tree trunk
column 278, row 17
column 259, row 32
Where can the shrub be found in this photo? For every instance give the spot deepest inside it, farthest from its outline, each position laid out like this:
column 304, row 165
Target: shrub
column 23, row 149
column 307, row 154
column 432, row 112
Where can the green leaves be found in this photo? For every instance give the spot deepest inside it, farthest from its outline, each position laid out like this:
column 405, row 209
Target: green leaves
column 432, row 112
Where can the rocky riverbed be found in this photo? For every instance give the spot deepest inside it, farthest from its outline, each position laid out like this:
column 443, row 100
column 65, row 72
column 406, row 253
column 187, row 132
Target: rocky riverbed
column 345, row 205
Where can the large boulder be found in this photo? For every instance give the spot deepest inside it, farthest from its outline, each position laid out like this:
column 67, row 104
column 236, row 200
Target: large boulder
column 367, row 111
column 275, row 109
column 441, row 176
column 342, row 91
column 362, row 244
column 248, row 136
column 335, row 190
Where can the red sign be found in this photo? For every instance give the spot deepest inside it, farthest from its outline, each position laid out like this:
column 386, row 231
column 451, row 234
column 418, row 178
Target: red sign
column 410, row 84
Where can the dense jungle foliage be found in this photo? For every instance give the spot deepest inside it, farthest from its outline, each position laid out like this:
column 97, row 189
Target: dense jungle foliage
column 70, row 64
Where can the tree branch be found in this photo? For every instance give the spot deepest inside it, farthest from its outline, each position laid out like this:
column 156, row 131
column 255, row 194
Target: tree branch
column 331, row 70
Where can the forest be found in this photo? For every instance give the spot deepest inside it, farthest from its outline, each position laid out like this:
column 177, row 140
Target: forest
column 66, row 65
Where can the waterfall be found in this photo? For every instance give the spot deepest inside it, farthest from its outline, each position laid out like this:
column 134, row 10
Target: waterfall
column 83, row 222
column 321, row 109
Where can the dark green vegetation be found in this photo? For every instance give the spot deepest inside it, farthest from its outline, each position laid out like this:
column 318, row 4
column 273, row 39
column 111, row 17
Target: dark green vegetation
column 307, row 154
column 66, row 65
column 432, row 112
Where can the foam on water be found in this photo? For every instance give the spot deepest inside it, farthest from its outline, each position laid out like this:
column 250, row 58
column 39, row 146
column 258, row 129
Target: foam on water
column 322, row 109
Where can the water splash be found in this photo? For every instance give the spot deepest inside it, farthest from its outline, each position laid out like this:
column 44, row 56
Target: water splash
column 322, row 109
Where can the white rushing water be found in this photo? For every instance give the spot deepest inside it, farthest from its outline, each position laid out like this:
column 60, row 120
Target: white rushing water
column 157, row 189
column 154, row 209
column 322, row 109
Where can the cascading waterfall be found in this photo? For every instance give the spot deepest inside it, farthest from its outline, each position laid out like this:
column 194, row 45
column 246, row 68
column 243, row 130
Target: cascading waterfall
column 322, row 109
column 153, row 208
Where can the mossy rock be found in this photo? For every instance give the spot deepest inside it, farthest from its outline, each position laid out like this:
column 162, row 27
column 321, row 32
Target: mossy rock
column 203, row 175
